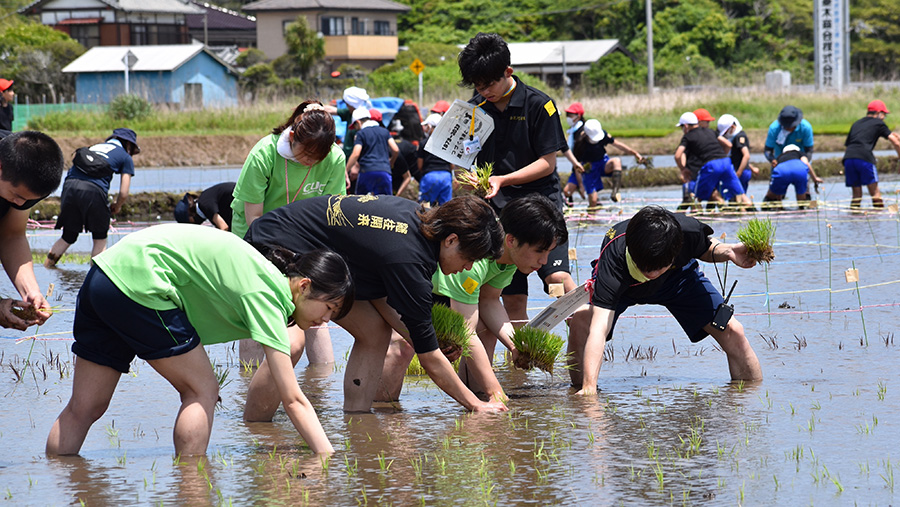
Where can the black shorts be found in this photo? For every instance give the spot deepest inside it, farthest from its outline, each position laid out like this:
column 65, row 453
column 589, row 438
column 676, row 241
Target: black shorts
column 110, row 329
column 83, row 206
column 557, row 261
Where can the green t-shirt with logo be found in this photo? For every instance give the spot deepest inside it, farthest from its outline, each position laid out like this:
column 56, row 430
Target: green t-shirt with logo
column 228, row 290
column 262, row 180
column 465, row 286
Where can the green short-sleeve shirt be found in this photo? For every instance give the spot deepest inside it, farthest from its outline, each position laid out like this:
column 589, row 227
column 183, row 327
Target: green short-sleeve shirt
column 262, row 180
column 228, row 290
column 465, row 286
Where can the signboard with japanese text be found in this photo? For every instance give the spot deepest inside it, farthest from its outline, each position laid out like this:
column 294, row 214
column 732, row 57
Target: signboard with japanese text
column 831, row 39
column 462, row 127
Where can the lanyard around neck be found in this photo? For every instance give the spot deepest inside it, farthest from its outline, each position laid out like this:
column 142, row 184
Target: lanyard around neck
column 287, row 188
column 512, row 88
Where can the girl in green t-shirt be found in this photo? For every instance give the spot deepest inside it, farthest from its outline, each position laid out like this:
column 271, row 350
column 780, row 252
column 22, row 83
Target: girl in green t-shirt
column 162, row 291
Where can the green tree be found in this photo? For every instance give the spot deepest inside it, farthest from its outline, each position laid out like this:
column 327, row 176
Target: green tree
column 875, row 38
column 33, row 55
column 615, row 72
column 304, row 45
column 250, row 57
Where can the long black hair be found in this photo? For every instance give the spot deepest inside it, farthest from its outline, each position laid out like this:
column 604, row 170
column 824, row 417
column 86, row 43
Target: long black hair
column 327, row 271
column 472, row 220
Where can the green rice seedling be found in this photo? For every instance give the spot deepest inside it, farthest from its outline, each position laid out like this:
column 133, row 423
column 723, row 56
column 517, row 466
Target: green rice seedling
column 452, row 331
column 758, row 235
column 415, row 368
column 537, row 348
column 482, row 176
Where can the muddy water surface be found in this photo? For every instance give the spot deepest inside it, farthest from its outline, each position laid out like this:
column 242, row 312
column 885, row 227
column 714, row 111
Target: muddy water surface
column 667, row 427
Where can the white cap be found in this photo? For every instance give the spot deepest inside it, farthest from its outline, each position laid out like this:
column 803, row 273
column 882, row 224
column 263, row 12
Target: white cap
column 594, row 131
column 360, row 113
column 688, row 118
column 432, row 120
column 356, row 97
column 790, row 147
column 725, row 122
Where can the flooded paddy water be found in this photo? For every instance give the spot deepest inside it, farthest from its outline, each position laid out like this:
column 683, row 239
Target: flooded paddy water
column 667, row 426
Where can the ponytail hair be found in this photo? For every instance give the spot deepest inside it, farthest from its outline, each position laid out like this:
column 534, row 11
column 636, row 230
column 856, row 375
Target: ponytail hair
column 313, row 127
column 327, row 271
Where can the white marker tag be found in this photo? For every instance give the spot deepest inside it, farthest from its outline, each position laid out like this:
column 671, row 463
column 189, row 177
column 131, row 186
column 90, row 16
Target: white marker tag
column 472, row 146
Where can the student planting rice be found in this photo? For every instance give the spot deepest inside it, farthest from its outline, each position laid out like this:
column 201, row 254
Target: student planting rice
column 533, row 225
column 298, row 160
column 393, row 248
column 162, row 291
column 652, row 259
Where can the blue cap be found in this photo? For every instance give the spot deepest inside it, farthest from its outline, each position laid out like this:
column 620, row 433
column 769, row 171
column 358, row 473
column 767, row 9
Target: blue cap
column 124, row 134
column 181, row 212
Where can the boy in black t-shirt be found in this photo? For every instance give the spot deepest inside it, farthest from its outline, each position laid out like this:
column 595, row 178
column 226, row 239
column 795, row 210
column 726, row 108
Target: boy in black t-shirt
column 735, row 141
column 522, row 148
column 700, row 153
column 213, row 204
column 652, row 259
column 859, row 161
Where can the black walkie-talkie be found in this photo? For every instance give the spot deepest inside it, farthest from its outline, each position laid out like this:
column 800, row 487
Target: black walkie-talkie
column 724, row 311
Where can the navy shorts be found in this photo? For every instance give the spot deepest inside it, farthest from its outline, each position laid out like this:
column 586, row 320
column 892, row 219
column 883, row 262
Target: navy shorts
column 557, row 260
column 375, row 183
column 718, row 173
column 83, row 206
column 436, row 187
column 689, row 296
column 859, row 172
column 791, row 172
column 110, row 329
column 593, row 178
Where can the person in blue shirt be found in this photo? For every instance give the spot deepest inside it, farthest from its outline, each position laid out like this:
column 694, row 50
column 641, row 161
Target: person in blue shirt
column 84, row 202
column 373, row 155
column 789, row 128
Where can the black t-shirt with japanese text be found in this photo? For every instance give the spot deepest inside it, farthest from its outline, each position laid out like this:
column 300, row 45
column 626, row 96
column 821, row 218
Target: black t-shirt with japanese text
column 863, row 136
column 701, row 145
column 738, row 143
column 217, row 200
column 612, row 280
column 526, row 130
column 378, row 236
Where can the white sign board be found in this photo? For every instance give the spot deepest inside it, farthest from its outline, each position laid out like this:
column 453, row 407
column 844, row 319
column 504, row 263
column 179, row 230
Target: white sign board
column 452, row 132
column 831, row 39
column 560, row 309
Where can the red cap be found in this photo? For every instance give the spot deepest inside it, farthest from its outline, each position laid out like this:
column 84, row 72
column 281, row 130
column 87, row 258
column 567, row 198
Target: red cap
column 441, row 106
column 703, row 115
column 575, row 108
column 375, row 114
column 335, row 73
column 876, row 106
column 5, row 84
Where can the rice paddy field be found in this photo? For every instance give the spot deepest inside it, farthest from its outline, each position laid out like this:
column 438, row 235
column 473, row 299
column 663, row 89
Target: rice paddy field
column 667, row 427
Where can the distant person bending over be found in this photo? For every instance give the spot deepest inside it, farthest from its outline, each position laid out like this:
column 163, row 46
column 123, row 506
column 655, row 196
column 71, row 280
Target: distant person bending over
column 84, row 203
column 575, row 120
column 522, row 148
column 789, row 128
column 373, row 156
column 213, row 204
column 859, row 161
column 31, row 166
column 7, row 95
column 165, row 291
column 700, row 147
column 296, row 161
column 735, row 142
column 791, row 168
column 590, row 147
column 652, row 259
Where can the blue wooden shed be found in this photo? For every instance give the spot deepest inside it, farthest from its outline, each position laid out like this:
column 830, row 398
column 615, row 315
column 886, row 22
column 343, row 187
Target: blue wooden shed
column 186, row 75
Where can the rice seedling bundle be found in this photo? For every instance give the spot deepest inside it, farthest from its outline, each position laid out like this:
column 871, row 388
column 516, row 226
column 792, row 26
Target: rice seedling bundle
column 537, row 348
column 482, row 175
column 451, row 329
column 758, row 236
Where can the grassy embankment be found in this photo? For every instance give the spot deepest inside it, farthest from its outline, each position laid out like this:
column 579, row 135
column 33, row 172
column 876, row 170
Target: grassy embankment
column 646, row 123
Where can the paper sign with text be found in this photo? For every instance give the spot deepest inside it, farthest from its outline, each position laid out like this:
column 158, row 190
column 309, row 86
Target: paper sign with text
column 451, row 136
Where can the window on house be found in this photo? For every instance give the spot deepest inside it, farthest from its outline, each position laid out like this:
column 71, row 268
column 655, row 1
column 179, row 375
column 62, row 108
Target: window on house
column 168, row 34
column 382, row 28
column 358, row 26
column 139, row 35
column 333, row 26
column 87, row 35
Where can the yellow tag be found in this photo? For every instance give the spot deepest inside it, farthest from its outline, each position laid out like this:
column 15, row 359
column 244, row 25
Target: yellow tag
column 573, row 254
column 470, row 285
column 611, row 233
column 551, row 109
column 722, row 237
column 852, row 275
column 892, row 208
column 557, row 290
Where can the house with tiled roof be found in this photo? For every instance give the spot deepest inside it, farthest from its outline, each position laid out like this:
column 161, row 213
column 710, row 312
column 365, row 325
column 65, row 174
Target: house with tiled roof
column 360, row 32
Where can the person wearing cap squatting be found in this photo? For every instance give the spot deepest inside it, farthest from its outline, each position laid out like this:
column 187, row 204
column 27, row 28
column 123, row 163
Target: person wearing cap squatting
column 84, row 202
column 790, row 168
column 6, row 104
column 700, row 147
column 789, row 128
column 859, row 161
column 590, row 148
column 734, row 141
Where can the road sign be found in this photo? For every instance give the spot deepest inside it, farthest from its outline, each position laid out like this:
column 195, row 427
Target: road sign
column 417, row 66
column 129, row 59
